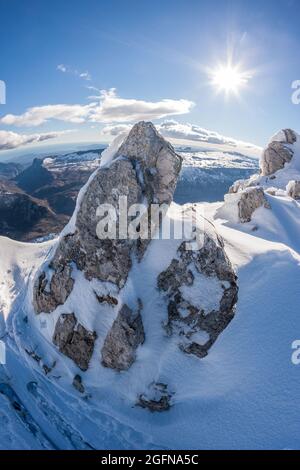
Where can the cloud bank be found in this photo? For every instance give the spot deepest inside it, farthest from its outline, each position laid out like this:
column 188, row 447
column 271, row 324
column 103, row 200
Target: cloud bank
column 109, row 109
column 188, row 132
column 11, row 140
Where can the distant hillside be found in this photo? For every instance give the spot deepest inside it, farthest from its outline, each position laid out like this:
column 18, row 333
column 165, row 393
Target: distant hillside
column 23, row 217
column 34, row 177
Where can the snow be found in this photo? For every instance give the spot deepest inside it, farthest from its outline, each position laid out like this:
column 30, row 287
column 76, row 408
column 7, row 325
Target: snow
column 106, row 158
column 218, row 159
column 291, row 170
column 109, row 153
column 278, row 137
column 244, row 394
column 71, row 225
column 208, row 292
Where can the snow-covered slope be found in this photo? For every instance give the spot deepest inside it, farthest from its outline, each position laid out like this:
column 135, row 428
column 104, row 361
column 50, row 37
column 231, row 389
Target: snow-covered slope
column 243, row 394
column 208, row 174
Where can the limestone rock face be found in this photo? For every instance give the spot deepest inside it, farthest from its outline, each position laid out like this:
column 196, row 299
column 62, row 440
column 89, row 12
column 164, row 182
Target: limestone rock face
column 250, row 200
column 293, row 189
column 202, row 292
column 277, row 153
column 122, row 341
column 145, row 169
column 196, row 289
column 289, row 136
column 61, row 285
column 103, row 259
column 73, row 340
column 155, row 161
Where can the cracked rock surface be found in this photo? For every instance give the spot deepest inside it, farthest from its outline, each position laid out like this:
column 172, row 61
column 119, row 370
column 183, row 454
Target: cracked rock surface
column 189, row 281
column 123, row 339
column 91, row 276
column 250, row 200
column 145, row 170
column 278, row 153
column 73, row 340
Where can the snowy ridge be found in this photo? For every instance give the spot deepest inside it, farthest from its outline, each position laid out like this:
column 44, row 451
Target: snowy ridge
column 244, row 394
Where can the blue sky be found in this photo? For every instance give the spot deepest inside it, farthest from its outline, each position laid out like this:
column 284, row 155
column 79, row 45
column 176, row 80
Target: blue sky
column 148, row 51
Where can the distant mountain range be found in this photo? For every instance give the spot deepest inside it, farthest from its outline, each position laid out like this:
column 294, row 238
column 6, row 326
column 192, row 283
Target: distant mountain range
column 38, row 197
column 37, row 200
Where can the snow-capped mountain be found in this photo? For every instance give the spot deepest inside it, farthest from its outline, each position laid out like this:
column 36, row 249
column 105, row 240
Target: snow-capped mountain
column 142, row 344
column 54, row 182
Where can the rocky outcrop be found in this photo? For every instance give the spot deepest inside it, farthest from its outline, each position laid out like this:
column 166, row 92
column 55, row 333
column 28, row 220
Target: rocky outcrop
column 240, row 206
column 155, row 161
column 49, row 295
column 156, row 398
column 202, row 292
column 288, row 136
column 77, row 384
column 236, row 186
column 108, row 299
column 145, row 170
column 73, row 340
column 293, row 189
column 250, row 200
column 278, row 152
column 197, row 288
column 122, row 341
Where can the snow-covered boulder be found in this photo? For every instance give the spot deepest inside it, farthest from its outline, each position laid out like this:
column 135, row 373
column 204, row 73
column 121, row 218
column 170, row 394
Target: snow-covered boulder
column 279, row 164
column 250, row 200
column 95, row 291
column 201, row 292
column 278, row 152
column 240, row 206
column 293, row 189
column 279, row 167
column 157, row 397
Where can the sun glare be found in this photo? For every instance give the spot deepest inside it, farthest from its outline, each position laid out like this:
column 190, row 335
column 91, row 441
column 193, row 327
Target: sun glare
column 228, row 78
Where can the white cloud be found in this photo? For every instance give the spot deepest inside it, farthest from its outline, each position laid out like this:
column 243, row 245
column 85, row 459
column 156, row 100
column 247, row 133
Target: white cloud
column 112, row 108
column 11, row 140
column 175, row 130
column 85, row 76
column 40, row 114
column 109, row 109
column 114, row 130
column 184, row 132
column 66, row 69
column 62, row 68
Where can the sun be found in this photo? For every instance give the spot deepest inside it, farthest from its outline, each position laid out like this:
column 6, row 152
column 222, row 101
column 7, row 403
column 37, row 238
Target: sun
column 228, row 78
